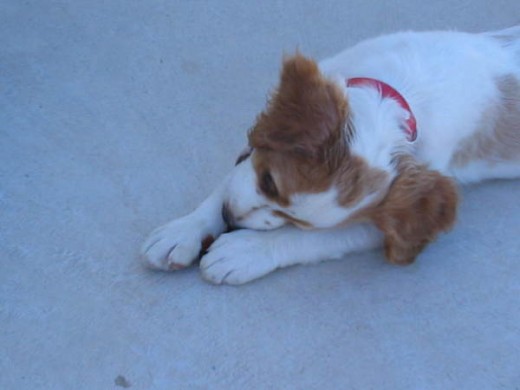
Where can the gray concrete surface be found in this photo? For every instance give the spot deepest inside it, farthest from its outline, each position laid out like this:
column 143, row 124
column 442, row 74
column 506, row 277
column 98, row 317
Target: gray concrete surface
column 116, row 116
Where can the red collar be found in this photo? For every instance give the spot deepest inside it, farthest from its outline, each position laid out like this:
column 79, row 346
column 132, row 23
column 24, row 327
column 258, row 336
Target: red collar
column 389, row 92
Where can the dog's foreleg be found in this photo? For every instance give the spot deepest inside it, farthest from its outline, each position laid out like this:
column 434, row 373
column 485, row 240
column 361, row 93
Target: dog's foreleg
column 244, row 255
column 180, row 242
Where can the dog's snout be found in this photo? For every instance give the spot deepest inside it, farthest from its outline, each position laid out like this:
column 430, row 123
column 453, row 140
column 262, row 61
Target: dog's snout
column 227, row 216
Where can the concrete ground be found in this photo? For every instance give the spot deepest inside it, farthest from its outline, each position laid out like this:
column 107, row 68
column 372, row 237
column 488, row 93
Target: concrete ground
column 116, row 116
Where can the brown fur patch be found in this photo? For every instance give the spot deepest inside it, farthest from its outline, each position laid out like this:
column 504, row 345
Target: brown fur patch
column 420, row 204
column 299, row 139
column 355, row 179
column 302, row 137
column 305, row 116
column 498, row 139
column 291, row 175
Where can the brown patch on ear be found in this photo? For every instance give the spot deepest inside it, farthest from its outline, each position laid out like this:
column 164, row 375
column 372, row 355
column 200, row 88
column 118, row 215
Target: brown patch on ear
column 420, row 204
column 305, row 116
column 355, row 179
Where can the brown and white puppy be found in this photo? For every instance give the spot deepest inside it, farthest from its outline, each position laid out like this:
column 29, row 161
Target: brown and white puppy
column 359, row 150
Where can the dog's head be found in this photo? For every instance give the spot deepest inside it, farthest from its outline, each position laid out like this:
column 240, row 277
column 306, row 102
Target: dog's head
column 308, row 166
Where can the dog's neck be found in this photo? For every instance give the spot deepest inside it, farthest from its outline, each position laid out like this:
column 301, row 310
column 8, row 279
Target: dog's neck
column 377, row 128
column 387, row 91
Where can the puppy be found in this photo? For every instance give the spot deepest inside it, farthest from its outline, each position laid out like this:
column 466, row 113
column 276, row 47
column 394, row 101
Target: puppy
column 361, row 150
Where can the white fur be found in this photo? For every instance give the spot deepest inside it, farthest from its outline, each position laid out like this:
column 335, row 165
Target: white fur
column 178, row 243
column 244, row 255
column 378, row 134
column 322, row 210
column 449, row 80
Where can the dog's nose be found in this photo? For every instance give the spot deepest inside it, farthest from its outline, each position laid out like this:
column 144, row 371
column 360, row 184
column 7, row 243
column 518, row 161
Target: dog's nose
column 227, row 216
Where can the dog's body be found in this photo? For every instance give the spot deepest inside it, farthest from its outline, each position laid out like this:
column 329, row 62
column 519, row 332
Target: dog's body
column 338, row 158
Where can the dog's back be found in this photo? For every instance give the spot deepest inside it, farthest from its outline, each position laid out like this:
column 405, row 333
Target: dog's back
column 463, row 88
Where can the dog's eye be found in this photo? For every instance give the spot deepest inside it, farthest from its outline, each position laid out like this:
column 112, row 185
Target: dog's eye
column 267, row 185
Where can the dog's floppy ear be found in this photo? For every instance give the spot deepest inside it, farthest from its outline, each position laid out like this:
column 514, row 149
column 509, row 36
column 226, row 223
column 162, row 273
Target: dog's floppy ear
column 305, row 115
column 420, row 204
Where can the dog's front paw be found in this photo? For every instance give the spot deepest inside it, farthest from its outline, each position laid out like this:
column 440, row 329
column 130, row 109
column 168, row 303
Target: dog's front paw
column 176, row 245
column 239, row 257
